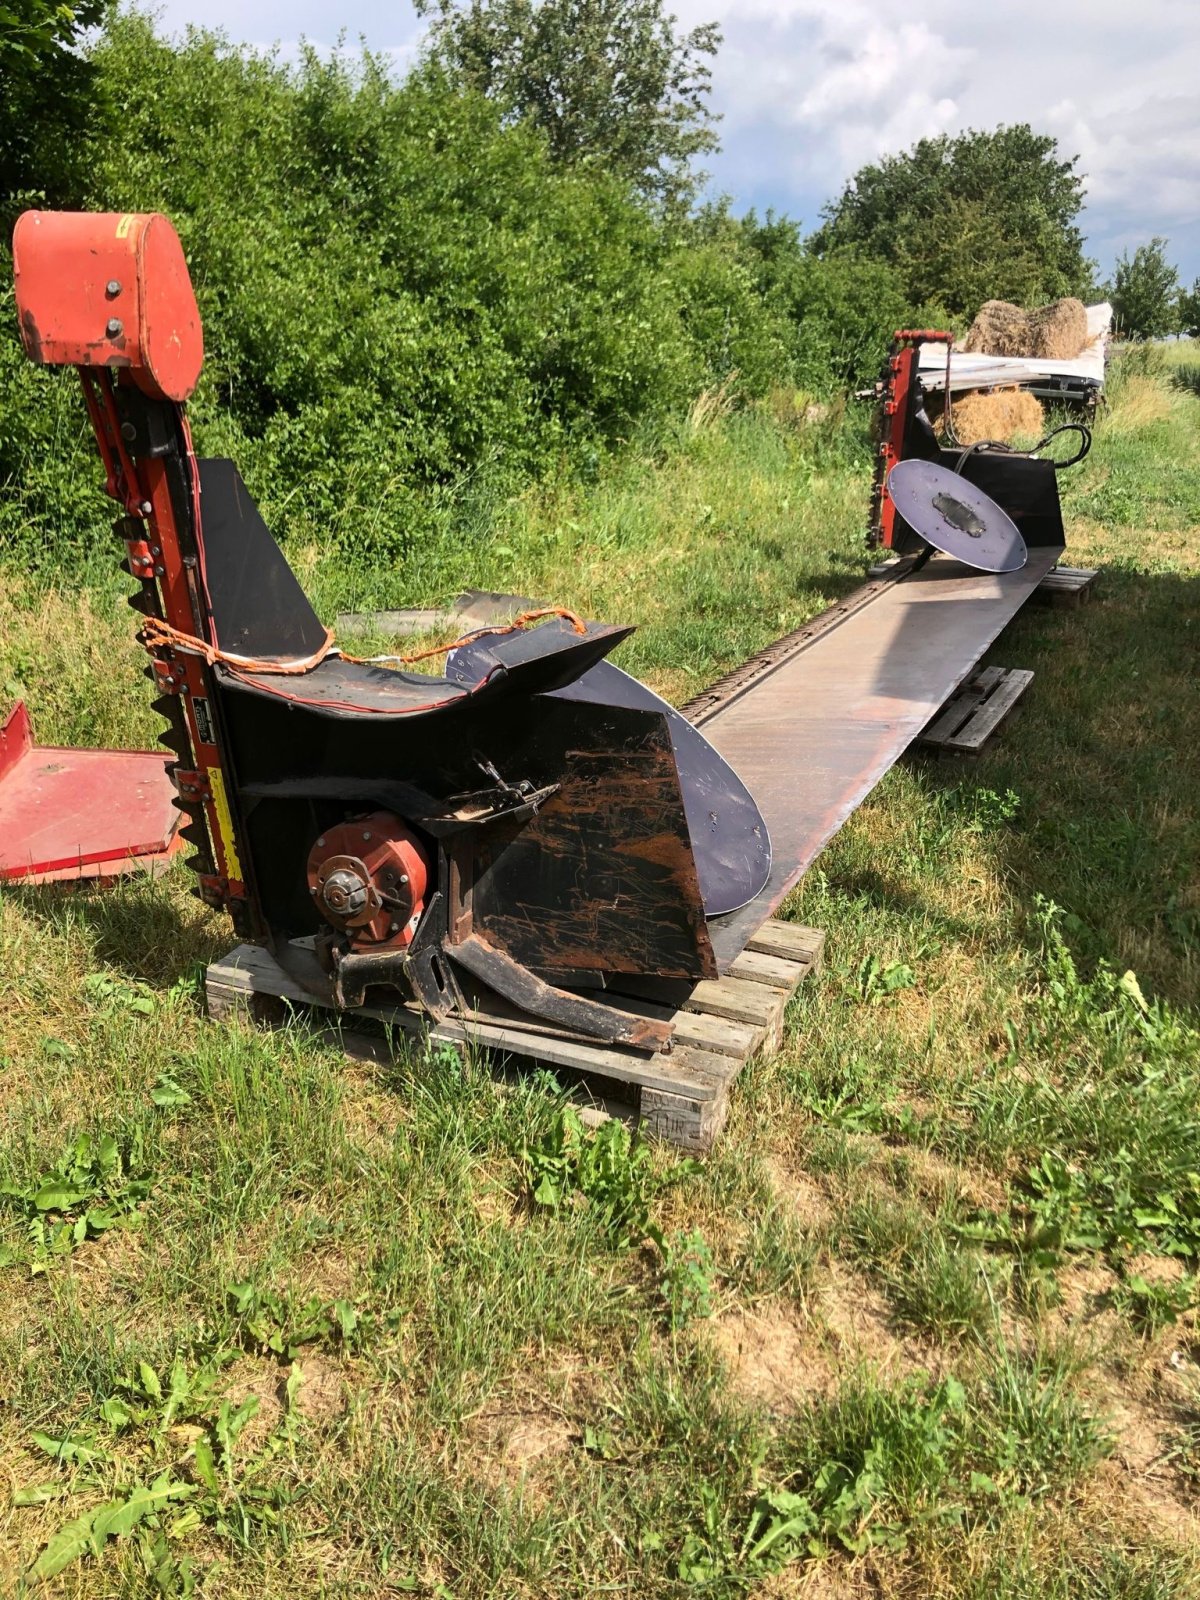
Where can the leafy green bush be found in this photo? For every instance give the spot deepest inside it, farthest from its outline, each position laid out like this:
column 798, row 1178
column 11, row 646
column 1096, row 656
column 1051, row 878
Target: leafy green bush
column 410, row 308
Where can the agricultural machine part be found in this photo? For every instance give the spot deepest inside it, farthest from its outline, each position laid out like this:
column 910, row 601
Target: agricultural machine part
column 68, row 815
column 546, row 839
column 1023, row 486
column 729, row 838
column 953, row 515
column 369, row 878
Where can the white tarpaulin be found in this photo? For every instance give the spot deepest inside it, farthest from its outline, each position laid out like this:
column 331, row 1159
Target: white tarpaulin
column 970, row 371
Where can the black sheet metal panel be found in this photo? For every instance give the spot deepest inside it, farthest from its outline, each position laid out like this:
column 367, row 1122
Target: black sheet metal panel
column 814, row 737
column 349, row 688
column 258, row 607
column 602, row 878
column 541, row 659
column 1026, row 488
column 729, row 837
column 955, row 516
column 519, row 663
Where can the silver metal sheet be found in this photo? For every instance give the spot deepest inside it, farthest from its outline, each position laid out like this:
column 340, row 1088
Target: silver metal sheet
column 812, row 739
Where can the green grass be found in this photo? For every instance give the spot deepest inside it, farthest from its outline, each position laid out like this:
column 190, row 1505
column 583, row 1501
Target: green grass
column 922, row 1325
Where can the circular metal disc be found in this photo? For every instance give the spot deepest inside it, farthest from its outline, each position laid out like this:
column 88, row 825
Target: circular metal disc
column 955, row 516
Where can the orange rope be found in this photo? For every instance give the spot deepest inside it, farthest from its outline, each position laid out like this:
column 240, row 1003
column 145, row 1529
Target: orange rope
column 158, row 634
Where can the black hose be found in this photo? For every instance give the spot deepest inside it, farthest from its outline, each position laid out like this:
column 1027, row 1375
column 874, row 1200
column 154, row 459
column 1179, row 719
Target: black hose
column 998, row 447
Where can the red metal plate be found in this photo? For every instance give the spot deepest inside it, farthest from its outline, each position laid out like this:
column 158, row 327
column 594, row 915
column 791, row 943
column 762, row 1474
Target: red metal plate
column 80, row 813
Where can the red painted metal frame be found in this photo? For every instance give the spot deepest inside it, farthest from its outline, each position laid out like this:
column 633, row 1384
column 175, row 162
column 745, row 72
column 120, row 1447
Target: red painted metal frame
column 896, row 403
column 68, row 814
column 104, row 289
column 71, row 260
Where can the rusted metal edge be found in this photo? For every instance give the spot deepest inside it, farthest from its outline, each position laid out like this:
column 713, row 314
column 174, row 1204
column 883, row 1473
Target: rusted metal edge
column 735, row 683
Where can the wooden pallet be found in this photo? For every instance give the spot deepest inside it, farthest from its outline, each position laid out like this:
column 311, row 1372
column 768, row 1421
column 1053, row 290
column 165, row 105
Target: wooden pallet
column 972, row 716
column 1067, row 587
column 683, row 1097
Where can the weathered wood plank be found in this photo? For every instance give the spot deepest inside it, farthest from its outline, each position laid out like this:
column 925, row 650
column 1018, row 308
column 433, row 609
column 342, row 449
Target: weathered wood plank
column 976, row 710
column 958, row 709
column 736, row 999
column 805, row 946
column 718, row 1034
column 683, row 1096
column 776, row 972
column 690, row 1124
column 992, row 712
column 1067, row 587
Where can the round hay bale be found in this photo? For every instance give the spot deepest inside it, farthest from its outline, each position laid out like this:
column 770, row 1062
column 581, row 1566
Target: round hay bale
column 1057, row 332
column 999, row 329
column 1000, row 414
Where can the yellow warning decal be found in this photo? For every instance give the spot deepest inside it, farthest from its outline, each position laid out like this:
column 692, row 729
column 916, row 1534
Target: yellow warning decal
column 124, row 225
column 225, row 835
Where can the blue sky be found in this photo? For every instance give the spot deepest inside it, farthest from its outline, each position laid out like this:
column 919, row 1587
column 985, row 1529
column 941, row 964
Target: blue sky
column 809, row 90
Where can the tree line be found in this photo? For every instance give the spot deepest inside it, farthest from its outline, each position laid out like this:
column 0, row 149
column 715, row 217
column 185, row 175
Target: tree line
column 496, row 267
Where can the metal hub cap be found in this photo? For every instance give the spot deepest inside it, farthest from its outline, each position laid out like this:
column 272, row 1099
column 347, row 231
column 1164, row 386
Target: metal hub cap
column 959, row 515
column 953, row 515
column 345, row 893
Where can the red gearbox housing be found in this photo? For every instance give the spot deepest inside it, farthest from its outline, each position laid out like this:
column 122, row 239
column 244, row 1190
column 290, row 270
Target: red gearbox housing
column 369, row 877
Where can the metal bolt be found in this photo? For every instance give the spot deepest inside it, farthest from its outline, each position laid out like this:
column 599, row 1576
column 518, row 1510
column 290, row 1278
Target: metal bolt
column 395, row 927
column 404, row 877
column 113, row 327
column 320, row 842
column 128, row 432
column 312, row 888
column 112, row 288
column 161, row 571
column 156, row 549
column 366, row 835
column 145, row 508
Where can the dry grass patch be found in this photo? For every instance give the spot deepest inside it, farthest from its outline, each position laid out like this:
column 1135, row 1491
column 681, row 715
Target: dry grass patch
column 776, row 1356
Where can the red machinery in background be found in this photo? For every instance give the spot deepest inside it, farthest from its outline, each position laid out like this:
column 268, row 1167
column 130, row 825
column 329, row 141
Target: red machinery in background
column 1023, row 484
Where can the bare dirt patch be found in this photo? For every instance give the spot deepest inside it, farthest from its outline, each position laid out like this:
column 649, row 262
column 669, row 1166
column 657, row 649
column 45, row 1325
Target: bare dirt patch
column 1083, row 1289
column 1139, row 1473
column 936, row 1179
column 511, row 1441
column 859, row 1322
column 321, row 1397
column 775, row 1355
column 803, row 1196
column 251, row 1376
column 330, row 1276
column 833, row 1579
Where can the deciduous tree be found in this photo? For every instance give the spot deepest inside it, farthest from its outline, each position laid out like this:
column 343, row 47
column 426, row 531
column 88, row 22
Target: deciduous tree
column 49, row 101
column 1145, row 292
column 977, row 217
column 608, row 81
